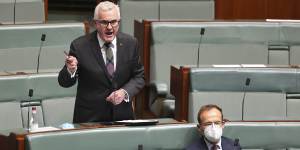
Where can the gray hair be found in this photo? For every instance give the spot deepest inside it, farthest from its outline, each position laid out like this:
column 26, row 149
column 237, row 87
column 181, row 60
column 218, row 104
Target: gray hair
column 106, row 6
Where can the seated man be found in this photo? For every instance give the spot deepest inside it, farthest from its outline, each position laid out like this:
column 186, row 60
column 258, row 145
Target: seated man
column 210, row 127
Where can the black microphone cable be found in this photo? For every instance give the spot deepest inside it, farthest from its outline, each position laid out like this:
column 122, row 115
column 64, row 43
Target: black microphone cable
column 200, row 40
column 30, row 94
column 39, row 54
column 247, row 83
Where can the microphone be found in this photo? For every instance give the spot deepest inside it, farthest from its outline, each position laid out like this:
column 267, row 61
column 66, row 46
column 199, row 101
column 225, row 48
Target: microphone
column 200, row 40
column 247, row 83
column 236, row 143
column 30, row 94
column 140, row 147
column 39, row 54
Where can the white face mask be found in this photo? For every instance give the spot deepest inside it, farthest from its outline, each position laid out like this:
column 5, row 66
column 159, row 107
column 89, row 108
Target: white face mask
column 213, row 133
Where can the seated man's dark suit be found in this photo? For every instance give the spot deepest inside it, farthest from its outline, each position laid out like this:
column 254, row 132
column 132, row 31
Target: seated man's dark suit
column 227, row 144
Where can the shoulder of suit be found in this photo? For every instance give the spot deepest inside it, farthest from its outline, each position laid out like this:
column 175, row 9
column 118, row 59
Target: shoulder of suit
column 125, row 36
column 227, row 140
column 87, row 37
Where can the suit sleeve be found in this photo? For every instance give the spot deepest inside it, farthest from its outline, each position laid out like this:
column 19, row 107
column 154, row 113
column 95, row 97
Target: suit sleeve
column 137, row 81
column 64, row 77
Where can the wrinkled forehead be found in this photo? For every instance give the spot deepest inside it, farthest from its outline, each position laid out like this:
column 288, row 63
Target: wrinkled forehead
column 109, row 15
column 211, row 115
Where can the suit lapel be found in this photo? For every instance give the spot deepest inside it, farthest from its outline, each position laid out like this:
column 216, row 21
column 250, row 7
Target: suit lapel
column 96, row 50
column 120, row 54
column 226, row 145
column 203, row 145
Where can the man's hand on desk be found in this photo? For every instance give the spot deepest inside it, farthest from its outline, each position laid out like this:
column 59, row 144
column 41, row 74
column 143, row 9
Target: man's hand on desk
column 116, row 97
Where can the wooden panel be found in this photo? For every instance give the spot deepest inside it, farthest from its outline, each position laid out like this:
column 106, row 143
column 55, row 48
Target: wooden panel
column 180, row 86
column 12, row 142
column 46, row 9
column 283, row 9
column 142, row 32
column 257, row 9
column 249, row 9
column 224, row 9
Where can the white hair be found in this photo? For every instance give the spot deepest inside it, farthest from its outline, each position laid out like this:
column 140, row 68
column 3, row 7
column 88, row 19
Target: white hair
column 105, row 6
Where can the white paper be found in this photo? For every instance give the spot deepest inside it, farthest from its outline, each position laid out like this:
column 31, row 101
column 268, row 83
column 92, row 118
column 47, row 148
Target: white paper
column 227, row 66
column 253, row 65
column 43, row 129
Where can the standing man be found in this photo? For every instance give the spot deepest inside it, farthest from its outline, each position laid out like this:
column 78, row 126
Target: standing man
column 211, row 124
column 106, row 65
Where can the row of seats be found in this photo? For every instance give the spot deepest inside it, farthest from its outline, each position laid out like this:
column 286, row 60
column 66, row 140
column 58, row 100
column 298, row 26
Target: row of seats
column 19, row 54
column 163, row 9
column 270, row 94
column 252, row 135
column 22, row 11
column 222, row 43
column 20, row 45
column 54, row 104
column 274, row 43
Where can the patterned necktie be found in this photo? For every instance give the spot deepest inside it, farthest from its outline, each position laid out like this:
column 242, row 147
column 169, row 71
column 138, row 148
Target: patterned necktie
column 215, row 147
column 109, row 59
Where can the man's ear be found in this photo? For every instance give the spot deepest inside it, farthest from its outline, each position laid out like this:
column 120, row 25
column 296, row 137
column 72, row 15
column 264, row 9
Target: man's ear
column 199, row 129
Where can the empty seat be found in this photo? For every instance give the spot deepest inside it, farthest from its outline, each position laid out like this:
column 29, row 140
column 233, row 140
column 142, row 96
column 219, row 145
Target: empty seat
column 58, row 110
column 265, row 106
column 190, row 9
column 45, row 86
column 10, row 115
column 22, row 43
column 29, row 11
column 14, row 87
column 293, row 111
column 230, row 102
column 264, row 97
column 7, row 11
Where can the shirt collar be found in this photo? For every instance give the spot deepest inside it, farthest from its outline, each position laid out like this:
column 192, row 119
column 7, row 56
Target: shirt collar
column 209, row 145
column 101, row 42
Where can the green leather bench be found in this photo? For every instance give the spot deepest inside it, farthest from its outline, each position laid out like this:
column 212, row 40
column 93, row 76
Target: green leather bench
column 163, row 9
column 29, row 11
column 265, row 98
column 252, row 135
column 48, row 97
column 7, row 12
column 19, row 46
column 22, row 11
column 176, row 43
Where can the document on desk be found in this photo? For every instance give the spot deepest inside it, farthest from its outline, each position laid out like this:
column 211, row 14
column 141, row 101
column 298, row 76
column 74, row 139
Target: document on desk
column 44, row 129
column 226, row 66
column 253, row 65
column 138, row 122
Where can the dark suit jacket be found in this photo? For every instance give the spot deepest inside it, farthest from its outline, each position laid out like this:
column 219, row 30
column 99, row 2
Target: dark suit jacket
column 94, row 84
column 227, row 144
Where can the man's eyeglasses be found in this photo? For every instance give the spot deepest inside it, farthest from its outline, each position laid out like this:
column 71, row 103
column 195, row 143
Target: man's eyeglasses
column 215, row 123
column 105, row 23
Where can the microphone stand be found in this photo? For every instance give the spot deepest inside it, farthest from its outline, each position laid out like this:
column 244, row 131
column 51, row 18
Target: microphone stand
column 39, row 54
column 15, row 1
column 200, row 40
column 30, row 94
column 246, row 84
